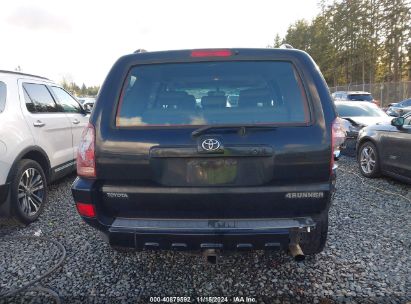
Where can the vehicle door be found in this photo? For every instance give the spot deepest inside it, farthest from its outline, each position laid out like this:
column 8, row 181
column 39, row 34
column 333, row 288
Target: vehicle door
column 74, row 112
column 397, row 147
column 49, row 125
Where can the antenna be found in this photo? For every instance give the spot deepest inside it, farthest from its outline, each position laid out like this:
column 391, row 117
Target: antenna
column 140, row 51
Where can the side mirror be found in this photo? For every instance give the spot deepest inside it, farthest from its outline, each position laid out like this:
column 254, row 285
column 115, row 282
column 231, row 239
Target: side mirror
column 398, row 122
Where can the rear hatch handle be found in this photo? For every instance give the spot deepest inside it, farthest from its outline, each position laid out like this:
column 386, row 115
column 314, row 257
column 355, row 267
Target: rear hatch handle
column 241, row 128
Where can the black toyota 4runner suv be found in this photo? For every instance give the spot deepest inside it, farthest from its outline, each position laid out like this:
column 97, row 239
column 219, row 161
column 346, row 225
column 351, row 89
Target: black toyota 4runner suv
column 168, row 163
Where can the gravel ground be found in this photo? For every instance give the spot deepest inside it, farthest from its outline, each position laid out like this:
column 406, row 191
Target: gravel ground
column 366, row 258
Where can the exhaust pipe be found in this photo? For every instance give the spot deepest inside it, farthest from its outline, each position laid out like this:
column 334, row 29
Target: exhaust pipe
column 296, row 252
column 210, row 256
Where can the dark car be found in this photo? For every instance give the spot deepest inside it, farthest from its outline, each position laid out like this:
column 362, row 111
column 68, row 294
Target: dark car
column 358, row 115
column 385, row 149
column 158, row 170
column 354, row 96
column 399, row 108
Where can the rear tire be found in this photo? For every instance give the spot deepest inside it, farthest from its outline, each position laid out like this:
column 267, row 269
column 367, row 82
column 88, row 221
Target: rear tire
column 28, row 191
column 314, row 241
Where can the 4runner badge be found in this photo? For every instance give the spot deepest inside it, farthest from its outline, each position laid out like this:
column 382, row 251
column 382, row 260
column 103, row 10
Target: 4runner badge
column 297, row 195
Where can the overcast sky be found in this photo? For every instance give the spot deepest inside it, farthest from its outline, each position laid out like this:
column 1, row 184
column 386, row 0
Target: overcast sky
column 80, row 40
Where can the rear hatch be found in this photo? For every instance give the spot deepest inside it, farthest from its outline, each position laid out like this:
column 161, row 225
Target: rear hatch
column 176, row 148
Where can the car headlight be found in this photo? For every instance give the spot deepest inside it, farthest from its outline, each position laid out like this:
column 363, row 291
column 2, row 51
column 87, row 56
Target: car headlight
column 361, row 132
column 355, row 128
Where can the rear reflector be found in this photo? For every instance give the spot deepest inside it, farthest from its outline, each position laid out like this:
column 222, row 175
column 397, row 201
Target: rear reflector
column 86, row 210
column 211, row 53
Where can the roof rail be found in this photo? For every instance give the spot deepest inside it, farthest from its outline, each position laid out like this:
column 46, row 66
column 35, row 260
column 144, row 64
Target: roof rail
column 286, row 46
column 23, row 74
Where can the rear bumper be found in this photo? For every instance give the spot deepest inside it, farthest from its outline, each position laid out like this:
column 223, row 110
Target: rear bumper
column 4, row 200
column 277, row 215
column 245, row 234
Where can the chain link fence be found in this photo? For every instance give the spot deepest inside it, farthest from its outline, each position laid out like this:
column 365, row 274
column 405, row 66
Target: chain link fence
column 384, row 92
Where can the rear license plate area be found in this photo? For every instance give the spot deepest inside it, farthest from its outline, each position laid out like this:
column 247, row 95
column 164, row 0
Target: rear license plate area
column 212, row 172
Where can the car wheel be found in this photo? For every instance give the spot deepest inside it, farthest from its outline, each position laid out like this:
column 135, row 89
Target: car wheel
column 313, row 242
column 28, row 191
column 368, row 160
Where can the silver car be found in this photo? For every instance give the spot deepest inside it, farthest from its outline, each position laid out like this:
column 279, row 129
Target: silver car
column 399, row 108
column 357, row 115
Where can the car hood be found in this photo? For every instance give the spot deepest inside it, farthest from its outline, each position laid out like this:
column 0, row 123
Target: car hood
column 367, row 121
column 383, row 126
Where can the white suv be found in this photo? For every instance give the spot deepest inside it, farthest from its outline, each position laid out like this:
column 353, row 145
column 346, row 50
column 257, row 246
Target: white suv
column 40, row 127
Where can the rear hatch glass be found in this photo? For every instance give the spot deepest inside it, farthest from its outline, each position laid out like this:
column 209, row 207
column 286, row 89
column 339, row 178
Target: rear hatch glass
column 206, row 93
column 360, row 97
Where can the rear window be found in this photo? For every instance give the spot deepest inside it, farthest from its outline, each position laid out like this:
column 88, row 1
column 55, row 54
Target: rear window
column 267, row 92
column 3, row 95
column 360, row 97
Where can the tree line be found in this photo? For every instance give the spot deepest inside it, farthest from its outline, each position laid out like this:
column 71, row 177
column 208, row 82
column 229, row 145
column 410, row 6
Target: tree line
column 357, row 41
column 77, row 90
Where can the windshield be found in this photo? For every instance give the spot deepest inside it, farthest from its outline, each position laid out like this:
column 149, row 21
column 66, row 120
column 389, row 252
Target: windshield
column 405, row 103
column 363, row 109
column 213, row 93
column 360, row 97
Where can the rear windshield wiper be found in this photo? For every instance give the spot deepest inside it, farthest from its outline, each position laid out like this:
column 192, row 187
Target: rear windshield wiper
column 242, row 128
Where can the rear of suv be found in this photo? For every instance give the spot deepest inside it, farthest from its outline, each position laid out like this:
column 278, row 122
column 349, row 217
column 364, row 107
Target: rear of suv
column 167, row 163
column 40, row 127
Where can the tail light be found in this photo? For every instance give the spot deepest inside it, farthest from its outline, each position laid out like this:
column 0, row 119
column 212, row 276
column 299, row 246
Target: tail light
column 211, row 53
column 86, row 165
column 338, row 136
column 87, row 210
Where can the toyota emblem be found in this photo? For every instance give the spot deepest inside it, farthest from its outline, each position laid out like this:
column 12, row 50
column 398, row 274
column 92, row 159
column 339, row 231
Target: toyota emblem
column 210, row 144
